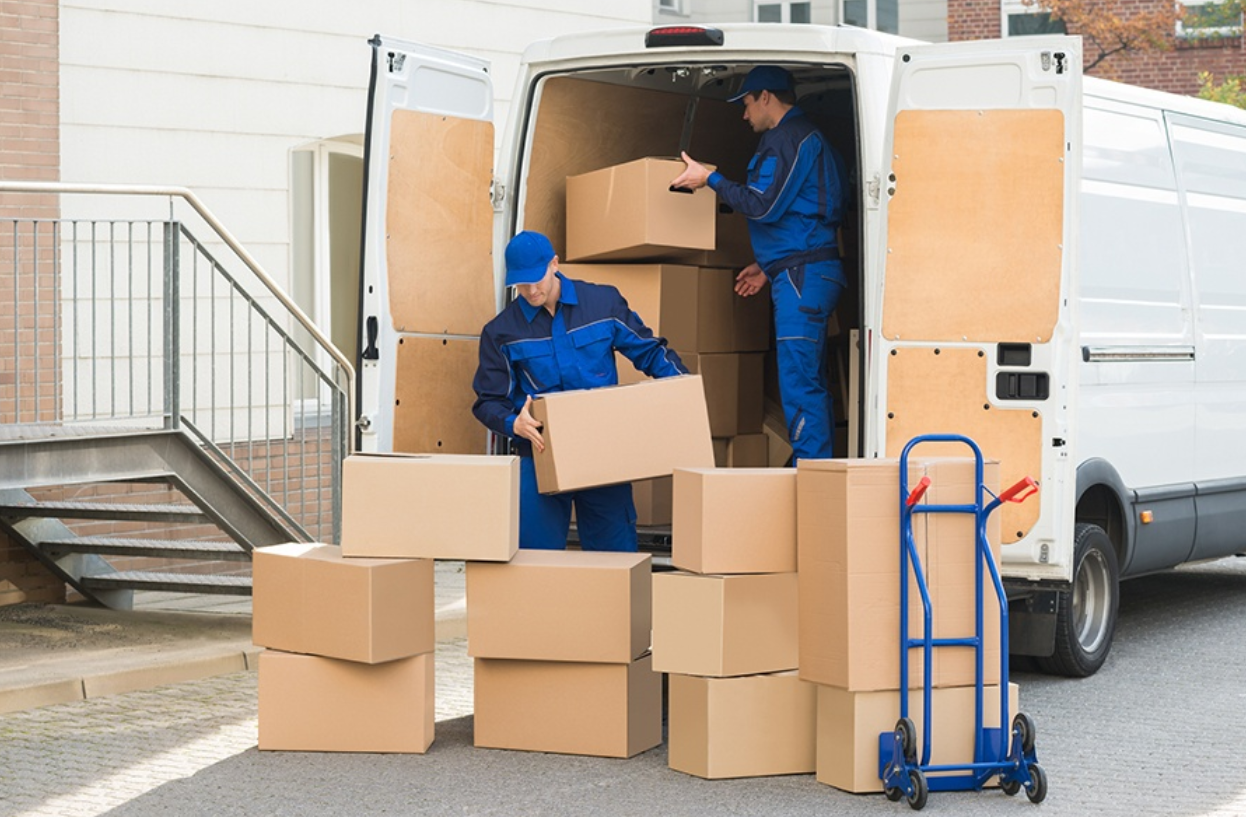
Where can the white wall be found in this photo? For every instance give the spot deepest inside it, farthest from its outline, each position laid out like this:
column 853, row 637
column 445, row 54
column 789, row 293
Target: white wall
column 214, row 95
column 920, row 19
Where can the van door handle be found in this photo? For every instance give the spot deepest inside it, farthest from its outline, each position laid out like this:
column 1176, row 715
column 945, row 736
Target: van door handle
column 370, row 352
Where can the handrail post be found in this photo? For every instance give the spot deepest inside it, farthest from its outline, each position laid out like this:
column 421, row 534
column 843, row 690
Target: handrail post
column 172, row 327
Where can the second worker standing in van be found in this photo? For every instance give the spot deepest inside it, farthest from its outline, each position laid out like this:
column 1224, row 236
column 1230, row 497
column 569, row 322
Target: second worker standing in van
column 560, row 334
column 793, row 200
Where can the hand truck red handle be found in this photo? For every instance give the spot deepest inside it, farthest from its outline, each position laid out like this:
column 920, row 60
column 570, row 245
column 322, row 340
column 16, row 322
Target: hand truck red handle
column 1020, row 492
column 917, row 493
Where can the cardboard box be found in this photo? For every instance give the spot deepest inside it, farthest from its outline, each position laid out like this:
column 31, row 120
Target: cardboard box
column 557, row 605
column 848, row 556
column 307, row 598
column 721, row 626
column 430, row 506
column 733, row 390
column 312, row 704
column 733, row 247
column 778, row 449
column 694, row 309
column 849, row 725
column 734, row 520
column 751, row 726
column 604, row 710
column 742, row 451
column 848, row 544
column 629, row 212
column 654, row 500
column 622, row 433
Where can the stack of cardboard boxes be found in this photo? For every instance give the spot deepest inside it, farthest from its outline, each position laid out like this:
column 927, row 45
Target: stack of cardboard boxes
column 848, row 541
column 350, row 630
column 674, row 256
column 725, row 627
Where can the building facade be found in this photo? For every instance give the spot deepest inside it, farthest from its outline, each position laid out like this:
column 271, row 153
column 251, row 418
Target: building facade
column 920, row 19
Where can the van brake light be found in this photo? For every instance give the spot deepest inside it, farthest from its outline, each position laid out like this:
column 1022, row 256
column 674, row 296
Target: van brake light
column 670, row 36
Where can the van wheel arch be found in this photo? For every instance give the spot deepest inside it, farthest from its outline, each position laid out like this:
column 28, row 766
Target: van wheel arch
column 1086, row 615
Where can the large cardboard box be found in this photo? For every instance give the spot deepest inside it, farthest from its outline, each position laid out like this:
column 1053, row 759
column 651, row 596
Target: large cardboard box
column 430, row 506
column 622, row 433
column 742, row 451
column 848, row 546
column 307, row 598
column 751, row 726
column 312, row 704
column 605, row 710
column 734, row 520
column 849, row 725
column 556, row 605
column 733, row 390
column 722, row 626
column 654, row 500
column 733, row 248
column 629, row 212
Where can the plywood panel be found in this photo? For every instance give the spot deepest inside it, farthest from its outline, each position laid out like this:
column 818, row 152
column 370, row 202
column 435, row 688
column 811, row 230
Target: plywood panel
column 583, row 126
column 439, row 228
column 945, row 392
column 433, row 405
column 975, row 226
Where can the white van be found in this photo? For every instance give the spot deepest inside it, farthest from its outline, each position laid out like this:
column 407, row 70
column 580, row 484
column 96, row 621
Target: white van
column 1051, row 265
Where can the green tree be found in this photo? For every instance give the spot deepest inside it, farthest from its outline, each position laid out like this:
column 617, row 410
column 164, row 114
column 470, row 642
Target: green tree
column 1110, row 27
column 1231, row 91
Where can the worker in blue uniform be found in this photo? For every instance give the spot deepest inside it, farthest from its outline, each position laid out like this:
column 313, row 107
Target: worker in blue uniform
column 560, row 334
column 793, row 200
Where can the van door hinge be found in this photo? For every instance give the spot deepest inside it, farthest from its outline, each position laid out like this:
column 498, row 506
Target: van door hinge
column 872, row 188
column 497, row 194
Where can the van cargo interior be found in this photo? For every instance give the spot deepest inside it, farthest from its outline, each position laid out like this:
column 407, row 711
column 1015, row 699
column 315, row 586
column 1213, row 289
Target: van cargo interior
column 598, row 118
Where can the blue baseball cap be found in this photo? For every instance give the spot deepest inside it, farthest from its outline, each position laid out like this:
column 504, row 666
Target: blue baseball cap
column 527, row 258
column 765, row 78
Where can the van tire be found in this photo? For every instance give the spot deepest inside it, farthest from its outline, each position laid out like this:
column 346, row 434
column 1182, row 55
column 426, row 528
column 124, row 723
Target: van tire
column 1086, row 615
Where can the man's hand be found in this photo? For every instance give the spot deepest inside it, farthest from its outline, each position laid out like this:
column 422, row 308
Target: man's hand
column 527, row 427
column 750, row 280
column 695, row 174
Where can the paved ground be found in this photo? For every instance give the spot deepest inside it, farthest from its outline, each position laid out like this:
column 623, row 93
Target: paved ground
column 1154, row 733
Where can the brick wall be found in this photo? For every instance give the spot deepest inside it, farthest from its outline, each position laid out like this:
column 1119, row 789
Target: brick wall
column 1175, row 70
column 29, row 151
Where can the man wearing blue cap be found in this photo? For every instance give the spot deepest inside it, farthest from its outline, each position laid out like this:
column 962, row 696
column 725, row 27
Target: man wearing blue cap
column 560, row 334
column 793, row 200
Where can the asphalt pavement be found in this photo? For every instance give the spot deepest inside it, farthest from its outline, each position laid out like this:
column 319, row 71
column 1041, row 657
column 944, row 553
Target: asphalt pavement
column 1153, row 733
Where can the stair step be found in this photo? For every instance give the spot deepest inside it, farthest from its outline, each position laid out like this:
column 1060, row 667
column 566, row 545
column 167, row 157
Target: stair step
column 106, row 510
column 160, row 548
column 170, row 582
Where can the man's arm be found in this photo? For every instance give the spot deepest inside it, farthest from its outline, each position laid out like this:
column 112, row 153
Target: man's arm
column 493, row 384
column 779, row 177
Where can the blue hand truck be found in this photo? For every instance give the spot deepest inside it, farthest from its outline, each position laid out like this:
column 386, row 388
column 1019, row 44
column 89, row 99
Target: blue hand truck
column 1016, row 762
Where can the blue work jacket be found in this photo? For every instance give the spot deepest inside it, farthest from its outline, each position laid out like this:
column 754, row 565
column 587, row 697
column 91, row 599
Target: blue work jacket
column 793, row 198
column 525, row 351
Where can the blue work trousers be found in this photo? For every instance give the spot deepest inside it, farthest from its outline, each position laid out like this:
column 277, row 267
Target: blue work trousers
column 804, row 297
column 605, row 517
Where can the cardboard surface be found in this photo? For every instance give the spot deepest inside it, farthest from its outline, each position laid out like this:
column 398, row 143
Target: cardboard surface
column 307, row 598
column 849, row 724
column 733, row 390
column 430, row 506
column 622, row 433
column 628, row 212
column 654, row 500
column 742, row 451
column 733, row 249
column 313, row 704
column 722, row 626
column 439, row 217
column 433, row 397
column 752, row 726
column 604, row 710
column 734, row 520
column 557, row 605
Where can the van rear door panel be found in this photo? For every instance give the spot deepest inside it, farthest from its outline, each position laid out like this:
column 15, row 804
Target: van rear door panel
column 983, row 146
column 428, row 276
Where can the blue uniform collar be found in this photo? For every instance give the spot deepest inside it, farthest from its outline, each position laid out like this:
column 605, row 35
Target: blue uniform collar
column 792, row 113
column 567, row 297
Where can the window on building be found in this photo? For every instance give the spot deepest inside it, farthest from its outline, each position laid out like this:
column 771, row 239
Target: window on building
column 783, row 12
column 1210, row 19
column 671, row 6
column 880, row 15
column 1021, row 20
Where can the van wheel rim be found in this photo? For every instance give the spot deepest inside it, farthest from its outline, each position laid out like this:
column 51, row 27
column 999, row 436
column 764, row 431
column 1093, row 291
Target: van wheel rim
column 1092, row 600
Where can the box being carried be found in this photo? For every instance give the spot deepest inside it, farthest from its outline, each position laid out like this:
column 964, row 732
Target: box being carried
column 629, row 212
column 622, row 433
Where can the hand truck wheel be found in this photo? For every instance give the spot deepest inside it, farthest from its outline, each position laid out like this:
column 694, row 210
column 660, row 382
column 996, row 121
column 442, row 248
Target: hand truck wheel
column 1023, row 725
column 917, row 798
column 907, row 734
column 1037, row 790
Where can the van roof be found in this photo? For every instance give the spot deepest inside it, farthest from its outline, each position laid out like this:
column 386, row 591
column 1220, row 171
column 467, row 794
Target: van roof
column 1191, row 106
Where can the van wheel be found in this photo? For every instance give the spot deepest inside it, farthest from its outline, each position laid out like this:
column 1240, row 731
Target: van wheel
column 1086, row 615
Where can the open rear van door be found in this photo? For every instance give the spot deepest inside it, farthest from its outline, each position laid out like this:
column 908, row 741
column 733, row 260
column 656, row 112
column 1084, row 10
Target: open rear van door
column 976, row 323
column 428, row 281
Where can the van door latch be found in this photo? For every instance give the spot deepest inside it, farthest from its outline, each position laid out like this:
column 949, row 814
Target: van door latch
column 497, row 194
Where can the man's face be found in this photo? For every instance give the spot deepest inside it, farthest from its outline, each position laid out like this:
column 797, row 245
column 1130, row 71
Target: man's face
column 538, row 294
column 755, row 112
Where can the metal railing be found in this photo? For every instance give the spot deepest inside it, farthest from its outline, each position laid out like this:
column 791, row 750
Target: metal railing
column 135, row 322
